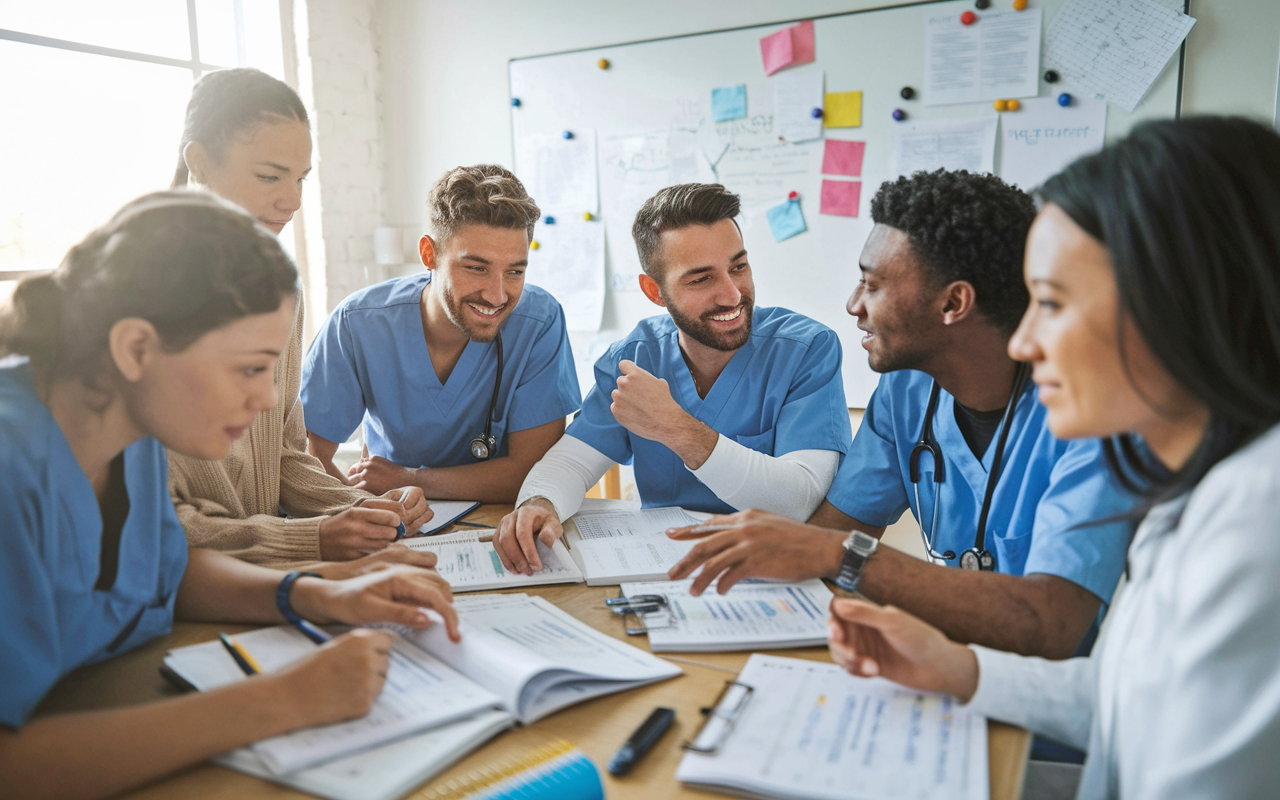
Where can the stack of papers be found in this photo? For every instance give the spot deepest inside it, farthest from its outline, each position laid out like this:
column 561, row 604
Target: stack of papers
column 753, row 615
column 613, row 547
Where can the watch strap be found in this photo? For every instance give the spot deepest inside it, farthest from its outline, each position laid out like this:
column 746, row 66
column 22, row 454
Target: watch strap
column 858, row 549
column 283, row 591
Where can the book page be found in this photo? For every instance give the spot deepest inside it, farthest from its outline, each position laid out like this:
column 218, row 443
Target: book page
column 812, row 730
column 632, row 544
column 470, row 565
column 420, row 693
column 753, row 614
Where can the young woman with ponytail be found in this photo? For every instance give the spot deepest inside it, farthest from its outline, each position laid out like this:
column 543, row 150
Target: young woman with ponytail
column 160, row 330
column 246, row 139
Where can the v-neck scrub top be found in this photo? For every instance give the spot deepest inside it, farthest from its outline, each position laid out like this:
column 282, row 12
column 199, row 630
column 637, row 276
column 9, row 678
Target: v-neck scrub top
column 53, row 619
column 782, row 391
column 1049, row 490
column 370, row 362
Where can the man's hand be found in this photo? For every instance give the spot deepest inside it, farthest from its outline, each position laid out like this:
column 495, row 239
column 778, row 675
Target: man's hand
column 375, row 562
column 377, row 475
column 759, row 545
column 518, row 533
column 869, row 640
column 643, row 404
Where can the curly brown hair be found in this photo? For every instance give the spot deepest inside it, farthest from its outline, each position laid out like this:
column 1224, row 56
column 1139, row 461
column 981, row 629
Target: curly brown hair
column 485, row 194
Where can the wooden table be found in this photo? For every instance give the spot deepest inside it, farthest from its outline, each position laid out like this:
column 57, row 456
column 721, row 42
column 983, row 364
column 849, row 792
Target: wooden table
column 597, row 726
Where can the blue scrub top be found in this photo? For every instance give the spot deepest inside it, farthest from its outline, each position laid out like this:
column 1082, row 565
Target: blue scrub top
column 54, row 620
column 1047, row 487
column 782, row 391
column 370, row 362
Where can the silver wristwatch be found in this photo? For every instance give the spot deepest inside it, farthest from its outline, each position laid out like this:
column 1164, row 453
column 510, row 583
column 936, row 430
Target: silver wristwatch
column 858, row 548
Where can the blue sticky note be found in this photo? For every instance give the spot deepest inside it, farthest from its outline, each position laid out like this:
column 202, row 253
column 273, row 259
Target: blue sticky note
column 729, row 102
column 786, row 220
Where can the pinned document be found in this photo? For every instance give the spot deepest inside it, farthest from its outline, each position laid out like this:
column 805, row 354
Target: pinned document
column 841, row 198
column 559, row 171
column 787, row 47
column 926, row 145
column 1047, row 136
column 570, row 265
column 840, row 157
column 786, row 220
column 796, row 95
column 842, row 110
column 729, row 102
column 997, row 57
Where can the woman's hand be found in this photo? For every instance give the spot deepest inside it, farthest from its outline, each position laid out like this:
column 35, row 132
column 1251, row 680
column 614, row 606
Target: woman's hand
column 398, row 594
column 391, row 555
column 339, row 681
column 869, row 640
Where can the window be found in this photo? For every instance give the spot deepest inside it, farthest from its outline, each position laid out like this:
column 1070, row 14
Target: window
column 92, row 97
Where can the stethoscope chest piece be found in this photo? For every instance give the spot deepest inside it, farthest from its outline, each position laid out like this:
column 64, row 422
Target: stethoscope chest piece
column 976, row 560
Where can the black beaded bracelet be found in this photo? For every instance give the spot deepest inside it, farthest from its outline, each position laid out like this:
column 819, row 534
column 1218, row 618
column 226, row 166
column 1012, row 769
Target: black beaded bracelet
column 282, row 595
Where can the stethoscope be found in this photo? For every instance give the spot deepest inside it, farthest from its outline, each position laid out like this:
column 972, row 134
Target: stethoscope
column 976, row 558
column 485, row 445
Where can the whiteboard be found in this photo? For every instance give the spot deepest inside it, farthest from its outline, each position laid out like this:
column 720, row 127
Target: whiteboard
column 654, row 86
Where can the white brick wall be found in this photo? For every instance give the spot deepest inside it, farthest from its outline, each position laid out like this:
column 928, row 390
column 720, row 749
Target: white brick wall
column 338, row 78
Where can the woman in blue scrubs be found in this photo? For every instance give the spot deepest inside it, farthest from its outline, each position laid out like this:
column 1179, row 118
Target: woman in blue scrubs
column 1154, row 273
column 161, row 329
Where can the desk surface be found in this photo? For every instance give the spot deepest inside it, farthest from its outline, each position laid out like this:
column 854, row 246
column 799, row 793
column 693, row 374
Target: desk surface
column 597, row 726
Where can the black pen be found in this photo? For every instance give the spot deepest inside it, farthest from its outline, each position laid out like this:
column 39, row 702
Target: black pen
column 242, row 658
column 642, row 741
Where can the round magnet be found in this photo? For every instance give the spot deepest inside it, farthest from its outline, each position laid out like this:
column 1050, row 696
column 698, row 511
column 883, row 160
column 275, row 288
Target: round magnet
column 968, row 18
column 899, row 114
column 907, row 93
column 1064, row 99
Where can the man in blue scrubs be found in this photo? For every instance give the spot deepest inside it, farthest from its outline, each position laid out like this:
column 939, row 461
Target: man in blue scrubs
column 416, row 359
column 941, row 292
column 719, row 405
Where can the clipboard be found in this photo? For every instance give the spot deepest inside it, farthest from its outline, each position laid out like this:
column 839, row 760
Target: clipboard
column 720, row 718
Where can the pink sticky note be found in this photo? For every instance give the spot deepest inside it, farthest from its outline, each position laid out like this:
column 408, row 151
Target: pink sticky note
column 843, row 158
column 841, row 198
column 787, row 47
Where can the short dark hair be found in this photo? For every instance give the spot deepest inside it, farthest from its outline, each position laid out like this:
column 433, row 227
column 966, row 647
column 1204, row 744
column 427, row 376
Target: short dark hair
column 227, row 102
column 485, row 194
column 187, row 262
column 1189, row 212
column 678, row 207
column 964, row 226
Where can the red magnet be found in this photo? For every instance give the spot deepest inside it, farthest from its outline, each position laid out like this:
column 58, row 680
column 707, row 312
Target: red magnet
column 793, row 196
column 968, row 18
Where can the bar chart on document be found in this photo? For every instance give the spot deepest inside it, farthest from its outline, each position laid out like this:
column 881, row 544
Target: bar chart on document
column 471, row 565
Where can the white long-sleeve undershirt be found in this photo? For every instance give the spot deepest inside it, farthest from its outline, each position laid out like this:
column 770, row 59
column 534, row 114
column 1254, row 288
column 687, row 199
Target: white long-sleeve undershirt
column 792, row 484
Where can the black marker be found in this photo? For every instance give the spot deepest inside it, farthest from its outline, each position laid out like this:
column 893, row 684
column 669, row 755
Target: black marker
column 642, row 741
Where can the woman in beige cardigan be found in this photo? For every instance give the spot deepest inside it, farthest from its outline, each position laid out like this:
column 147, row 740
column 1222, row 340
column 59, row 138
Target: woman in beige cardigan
column 247, row 139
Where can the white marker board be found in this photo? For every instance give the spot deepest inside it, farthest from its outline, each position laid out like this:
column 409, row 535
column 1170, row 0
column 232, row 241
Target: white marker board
column 656, row 85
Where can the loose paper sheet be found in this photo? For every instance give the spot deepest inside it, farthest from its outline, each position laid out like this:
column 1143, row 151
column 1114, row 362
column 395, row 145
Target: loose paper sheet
column 795, row 97
column 787, row 47
column 729, row 102
column 841, row 198
column 569, row 263
column 841, row 157
column 1114, row 48
column 559, row 174
column 996, row 57
column 943, row 144
column 786, row 220
column 1044, row 137
column 761, row 175
column 470, row 565
column 842, row 110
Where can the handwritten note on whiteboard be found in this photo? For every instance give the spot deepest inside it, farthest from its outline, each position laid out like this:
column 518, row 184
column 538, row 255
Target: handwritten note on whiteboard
column 996, row 57
column 943, row 144
column 1044, row 137
column 1114, row 48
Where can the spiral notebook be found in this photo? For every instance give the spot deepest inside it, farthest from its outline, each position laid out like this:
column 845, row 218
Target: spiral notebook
column 555, row 771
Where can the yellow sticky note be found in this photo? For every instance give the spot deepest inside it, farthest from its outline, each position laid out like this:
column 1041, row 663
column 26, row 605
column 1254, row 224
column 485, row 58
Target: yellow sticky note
column 842, row 110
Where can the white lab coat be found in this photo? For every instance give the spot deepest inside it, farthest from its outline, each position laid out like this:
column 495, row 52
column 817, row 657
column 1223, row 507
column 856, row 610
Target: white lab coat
column 1181, row 697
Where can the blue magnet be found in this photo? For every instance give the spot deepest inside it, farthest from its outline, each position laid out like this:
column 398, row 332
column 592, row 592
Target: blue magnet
column 1064, row 99
column 816, row 113
column 515, row 102
column 550, row 220
column 899, row 114
column 568, row 134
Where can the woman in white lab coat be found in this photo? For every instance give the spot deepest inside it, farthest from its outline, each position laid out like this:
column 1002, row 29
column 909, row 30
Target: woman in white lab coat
column 1154, row 271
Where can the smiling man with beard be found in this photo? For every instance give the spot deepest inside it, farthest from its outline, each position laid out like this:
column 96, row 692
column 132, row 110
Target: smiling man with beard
column 719, row 405
column 464, row 351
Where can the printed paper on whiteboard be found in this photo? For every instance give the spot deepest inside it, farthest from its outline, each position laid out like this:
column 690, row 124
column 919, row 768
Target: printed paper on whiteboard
column 1042, row 138
column 559, row 173
column 996, row 57
column 931, row 144
column 569, row 263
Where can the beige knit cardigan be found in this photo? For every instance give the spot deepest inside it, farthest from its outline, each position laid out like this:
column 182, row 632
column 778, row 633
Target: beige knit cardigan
column 234, row 505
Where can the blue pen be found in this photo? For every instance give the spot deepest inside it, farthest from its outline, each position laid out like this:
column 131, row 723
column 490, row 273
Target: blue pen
column 400, row 529
column 311, row 631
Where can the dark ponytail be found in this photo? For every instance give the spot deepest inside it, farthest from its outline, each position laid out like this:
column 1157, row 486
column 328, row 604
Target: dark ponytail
column 229, row 101
column 186, row 262
column 1189, row 212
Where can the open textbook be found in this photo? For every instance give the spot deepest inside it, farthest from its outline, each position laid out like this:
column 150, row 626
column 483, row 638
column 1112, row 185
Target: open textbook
column 810, row 731
column 753, row 615
column 628, row 545
column 518, row 653
column 472, row 565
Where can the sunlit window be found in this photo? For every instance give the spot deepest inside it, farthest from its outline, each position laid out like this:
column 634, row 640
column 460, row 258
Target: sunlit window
column 92, row 95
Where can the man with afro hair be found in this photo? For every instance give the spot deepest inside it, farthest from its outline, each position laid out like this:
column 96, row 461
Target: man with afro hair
column 940, row 295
